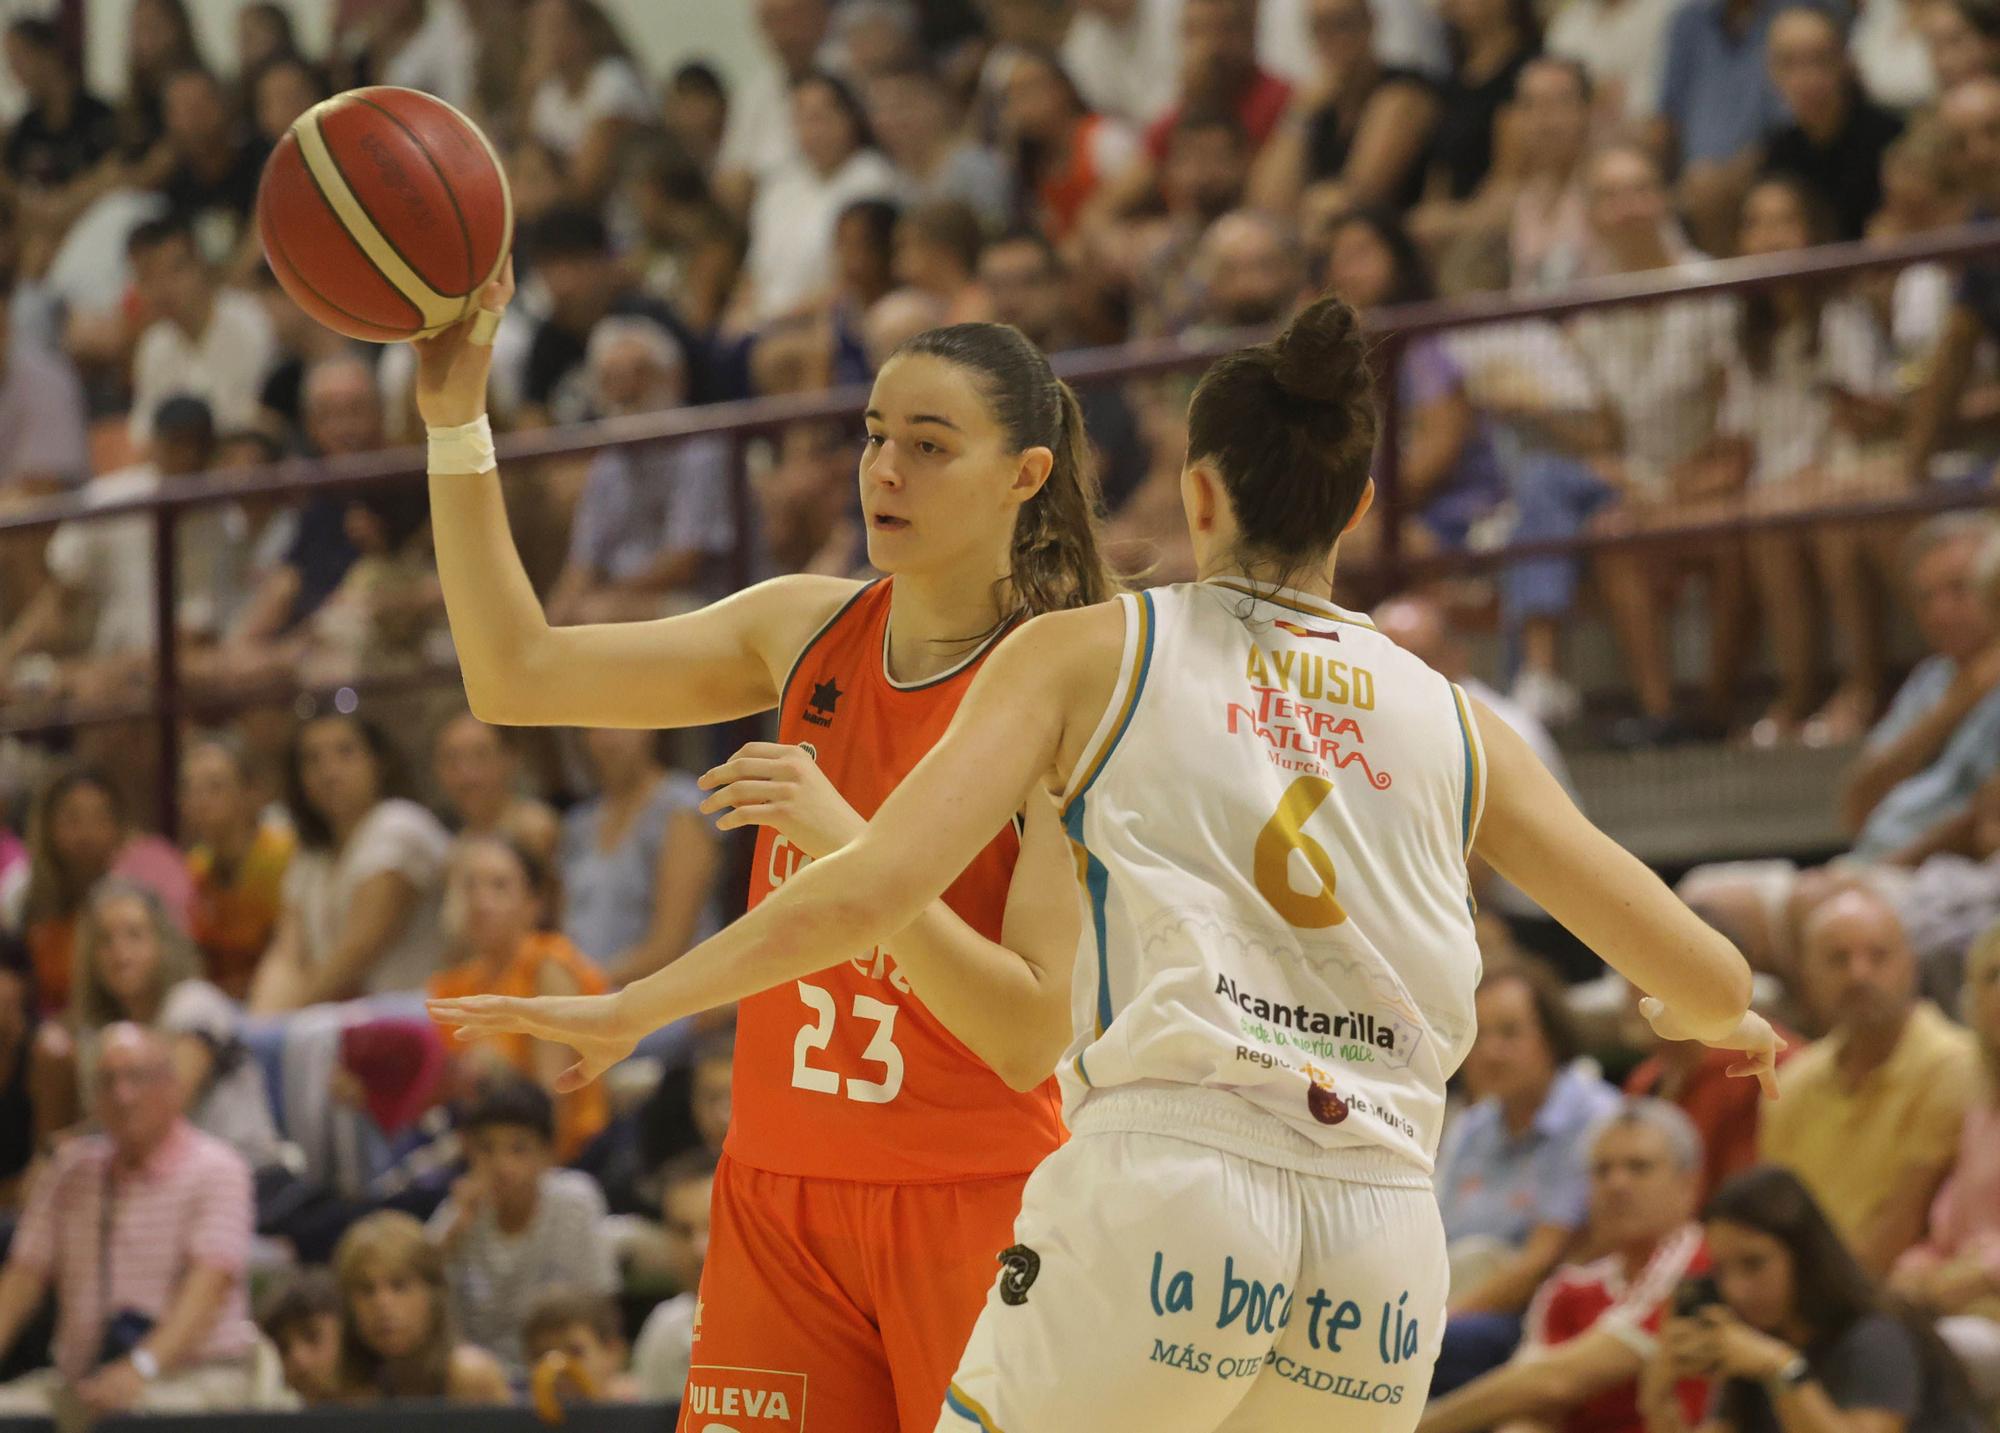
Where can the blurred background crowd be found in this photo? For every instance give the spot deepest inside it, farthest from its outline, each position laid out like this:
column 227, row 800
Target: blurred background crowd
column 225, row 989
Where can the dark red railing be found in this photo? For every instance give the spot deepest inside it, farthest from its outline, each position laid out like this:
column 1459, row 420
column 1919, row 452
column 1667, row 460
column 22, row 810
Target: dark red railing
column 168, row 701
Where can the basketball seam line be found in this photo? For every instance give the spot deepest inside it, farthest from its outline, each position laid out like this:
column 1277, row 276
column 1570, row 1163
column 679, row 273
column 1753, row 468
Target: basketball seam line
column 387, row 242
column 359, row 247
column 464, row 232
column 284, row 251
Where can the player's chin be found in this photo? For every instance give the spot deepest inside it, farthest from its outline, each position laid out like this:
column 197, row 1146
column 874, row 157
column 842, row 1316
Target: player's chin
column 891, row 549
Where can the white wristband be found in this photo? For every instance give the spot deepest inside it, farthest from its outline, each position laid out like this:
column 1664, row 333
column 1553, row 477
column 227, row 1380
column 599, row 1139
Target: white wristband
column 468, row 448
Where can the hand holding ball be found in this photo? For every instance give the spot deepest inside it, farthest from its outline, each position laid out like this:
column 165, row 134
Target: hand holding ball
column 385, row 214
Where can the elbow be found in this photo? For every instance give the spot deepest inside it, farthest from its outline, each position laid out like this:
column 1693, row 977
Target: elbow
column 504, row 692
column 1026, row 1071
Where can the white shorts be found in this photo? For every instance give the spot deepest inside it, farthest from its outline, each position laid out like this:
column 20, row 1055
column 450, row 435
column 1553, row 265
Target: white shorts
column 1166, row 1285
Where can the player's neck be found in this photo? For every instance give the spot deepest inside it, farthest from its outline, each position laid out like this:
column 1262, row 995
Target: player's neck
column 1311, row 582
column 932, row 620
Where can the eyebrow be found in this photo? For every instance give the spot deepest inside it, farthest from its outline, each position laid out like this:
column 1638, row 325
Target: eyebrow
column 876, row 415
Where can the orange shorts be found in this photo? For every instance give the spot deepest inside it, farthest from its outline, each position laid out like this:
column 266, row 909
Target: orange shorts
column 836, row 1307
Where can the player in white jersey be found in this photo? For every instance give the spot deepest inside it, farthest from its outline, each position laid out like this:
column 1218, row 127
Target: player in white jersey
column 1271, row 808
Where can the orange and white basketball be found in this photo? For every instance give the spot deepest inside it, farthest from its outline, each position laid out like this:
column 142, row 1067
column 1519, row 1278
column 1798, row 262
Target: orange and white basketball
column 384, row 212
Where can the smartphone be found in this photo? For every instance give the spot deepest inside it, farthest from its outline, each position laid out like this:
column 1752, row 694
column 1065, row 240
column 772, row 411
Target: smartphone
column 1695, row 1293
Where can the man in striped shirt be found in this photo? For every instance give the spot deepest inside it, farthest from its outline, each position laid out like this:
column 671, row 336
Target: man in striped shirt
column 144, row 1230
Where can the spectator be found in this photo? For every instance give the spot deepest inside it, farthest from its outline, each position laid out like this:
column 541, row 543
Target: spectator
column 143, row 1231
column 696, row 112
column 585, row 285
column 417, row 44
column 653, row 529
column 791, row 224
column 361, row 898
column 397, row 1339
column 1810, row 381
column 688, row 1111
column 237, row 859
column 100, row 580
column 78, row 833
column 1837, row 135
column 806, row 517
column 690, row 249
column 159, row 43
column 301, row 1318
column 497, row 899
column 937, row 253
column 1909, row 793
column 513, row 1224
column 1799, row 1331
column 133, row 967
column 1725, row 1109
column 1062, row 156
column 827, row 347
column 661, row 1356
column 208, row 342
column 1151, row 261
column 1963, row 38
column 1871, row 1113
column 1548, row 229
column 1971, row 115
column 476, row 769
column 1512, row 1182
column 1218, row 71
column 1619, row 44
column 43, row 446
column 761, row 139
column 923, row 136
column 1949, row 900
column 1593, row 1325
column 1122, row 54
column 280, row 92
column 1659, row 372
column 1955, row 1271
column 213, row 185
column 66, row 131
column 587, row 96
column 1450, row 479
column 17, row 1032
column 264, row 37
column 1250, row 272
column 1362, row 129
column 583, row 1331
column 1490, row 41
column 638, row 859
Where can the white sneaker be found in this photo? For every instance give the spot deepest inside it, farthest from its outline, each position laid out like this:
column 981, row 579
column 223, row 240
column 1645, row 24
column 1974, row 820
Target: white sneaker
column 1548, row 698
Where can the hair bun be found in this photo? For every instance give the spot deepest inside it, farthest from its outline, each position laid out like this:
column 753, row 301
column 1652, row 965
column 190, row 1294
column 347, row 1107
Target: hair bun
column 1322, row 358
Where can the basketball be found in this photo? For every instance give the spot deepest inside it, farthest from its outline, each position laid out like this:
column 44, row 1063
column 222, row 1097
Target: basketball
column 384, row 212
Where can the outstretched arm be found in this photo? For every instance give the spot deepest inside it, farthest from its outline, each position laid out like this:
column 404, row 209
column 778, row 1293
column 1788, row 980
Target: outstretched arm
column 1031, row 706
column 1533, row 835
column 717, row 664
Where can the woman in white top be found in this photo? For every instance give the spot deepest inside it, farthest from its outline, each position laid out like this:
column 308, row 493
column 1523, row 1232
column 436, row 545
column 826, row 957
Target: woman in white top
column 360, row 902
column 792, row 220
column 584, row 95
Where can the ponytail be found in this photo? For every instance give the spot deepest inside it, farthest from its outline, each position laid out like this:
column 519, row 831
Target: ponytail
column 1055, row 562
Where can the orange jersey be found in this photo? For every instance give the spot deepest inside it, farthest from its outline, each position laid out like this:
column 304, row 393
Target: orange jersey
column 845, row 1074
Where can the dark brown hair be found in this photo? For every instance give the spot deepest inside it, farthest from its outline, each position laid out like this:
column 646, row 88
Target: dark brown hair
column 1055, row 562
column 1759, row 323
column 1550, row 999
column 563, row 1306
column 54, row 890
column 1290, row 427
column 1831, row 1292
column 391, row 779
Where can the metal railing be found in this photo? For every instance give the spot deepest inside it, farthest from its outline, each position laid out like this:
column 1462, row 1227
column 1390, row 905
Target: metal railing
column 169, row 701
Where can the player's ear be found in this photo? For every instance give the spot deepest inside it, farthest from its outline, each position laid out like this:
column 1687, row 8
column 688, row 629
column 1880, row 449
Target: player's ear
column 1361, row 508
column 1202, row 495
column 1035, row 466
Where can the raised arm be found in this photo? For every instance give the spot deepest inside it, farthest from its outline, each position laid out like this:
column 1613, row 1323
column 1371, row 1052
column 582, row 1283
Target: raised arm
column 1533, row 835
column 718, row 664
column 1027, row 714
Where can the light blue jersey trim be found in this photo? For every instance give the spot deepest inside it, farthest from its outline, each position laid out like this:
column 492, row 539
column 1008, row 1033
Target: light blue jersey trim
column 1096, row 885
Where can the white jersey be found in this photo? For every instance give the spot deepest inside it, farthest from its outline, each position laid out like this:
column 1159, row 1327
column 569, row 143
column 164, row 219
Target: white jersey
column 1271, row 826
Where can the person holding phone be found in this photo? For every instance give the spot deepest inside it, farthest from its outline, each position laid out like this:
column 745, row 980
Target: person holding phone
column 1794, row 1334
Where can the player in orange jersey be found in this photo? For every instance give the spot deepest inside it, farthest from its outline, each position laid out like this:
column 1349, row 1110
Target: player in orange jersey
column 875, row 1163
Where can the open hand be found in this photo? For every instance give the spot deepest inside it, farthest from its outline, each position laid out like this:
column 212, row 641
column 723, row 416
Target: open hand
column 591, row 1025
column 766, row 784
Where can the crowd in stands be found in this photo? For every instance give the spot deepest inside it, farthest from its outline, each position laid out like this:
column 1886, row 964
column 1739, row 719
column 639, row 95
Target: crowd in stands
column 218, row 1095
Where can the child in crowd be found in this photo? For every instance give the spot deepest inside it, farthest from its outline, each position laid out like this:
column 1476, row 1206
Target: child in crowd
column 397, row 1339
column 583, row 1328
column 514, row 1224
column 661, row 1356
column 301, row 1318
